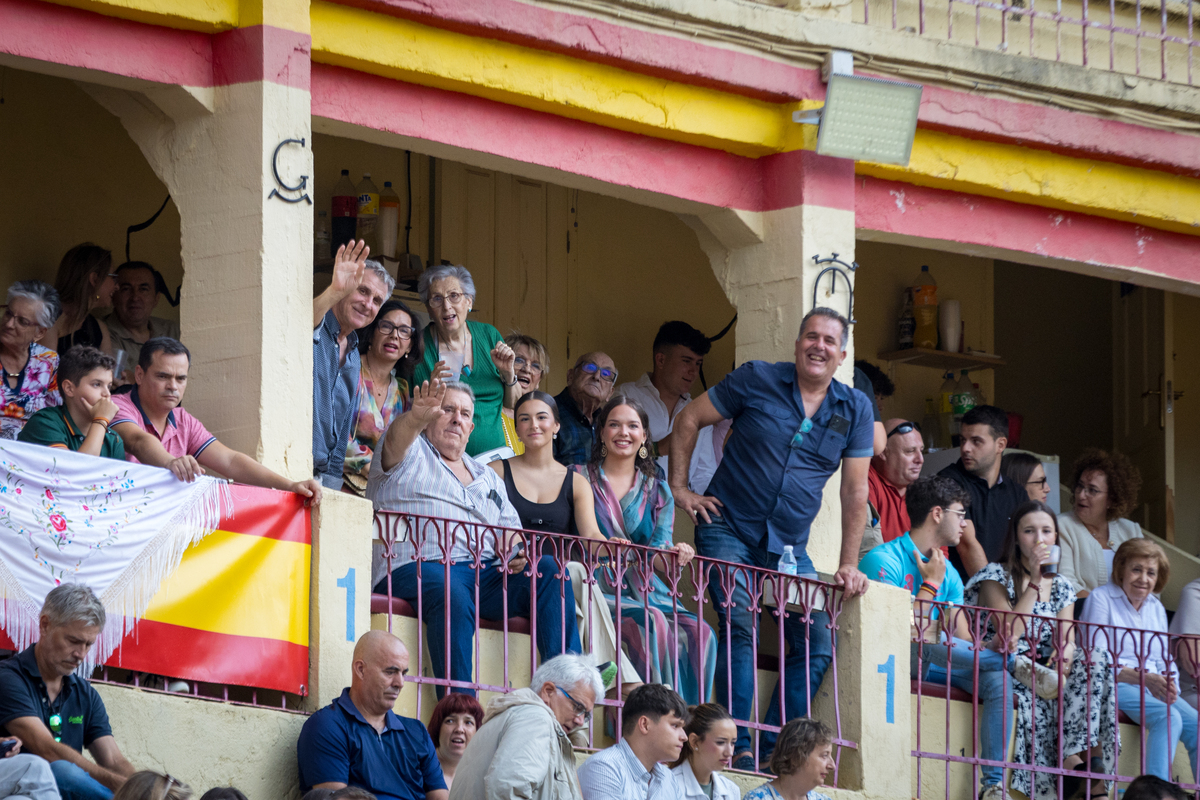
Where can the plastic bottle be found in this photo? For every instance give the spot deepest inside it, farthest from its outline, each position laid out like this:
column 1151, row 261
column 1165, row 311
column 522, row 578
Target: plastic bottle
column 368, row 210
column 945, row 407
column 929, row 427
column 321, row 236
column 924, row 293
column 963, row 399
column 980, row 400
column 389, row 221
column 787, row 561
column 344, row 218
column 908, row 322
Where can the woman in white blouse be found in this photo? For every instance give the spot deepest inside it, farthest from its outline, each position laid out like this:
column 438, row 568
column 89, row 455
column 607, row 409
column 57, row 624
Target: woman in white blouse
column 1147, row 694
column 708, row 750
column 1106, row 488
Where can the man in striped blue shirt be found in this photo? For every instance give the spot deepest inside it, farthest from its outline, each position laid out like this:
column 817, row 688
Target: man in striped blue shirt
column 651, row 734
column 422, row 468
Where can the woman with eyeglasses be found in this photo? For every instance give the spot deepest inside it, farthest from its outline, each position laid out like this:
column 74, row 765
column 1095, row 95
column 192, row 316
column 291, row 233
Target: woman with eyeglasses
column 390, row 349
column 84, row 282
column 1025, row 469
column 28, row 371
column 1106, row 488
column 530, row 364
column 474, row 352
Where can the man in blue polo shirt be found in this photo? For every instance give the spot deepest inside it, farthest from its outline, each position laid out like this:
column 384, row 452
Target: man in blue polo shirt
column 793, row 426
column 937, row 508
column 357, row 740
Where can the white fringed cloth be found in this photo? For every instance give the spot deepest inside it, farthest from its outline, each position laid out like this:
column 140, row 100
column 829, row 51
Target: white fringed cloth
column 118, row 527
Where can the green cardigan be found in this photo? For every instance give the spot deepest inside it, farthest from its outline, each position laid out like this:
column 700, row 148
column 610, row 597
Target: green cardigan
column 484, row 380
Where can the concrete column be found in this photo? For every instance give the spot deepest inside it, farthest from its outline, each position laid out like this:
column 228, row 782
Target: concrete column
column 247, row 257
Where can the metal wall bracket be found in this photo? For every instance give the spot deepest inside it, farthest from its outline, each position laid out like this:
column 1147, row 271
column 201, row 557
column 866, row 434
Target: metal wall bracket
column 300, row 187
column 836, row 267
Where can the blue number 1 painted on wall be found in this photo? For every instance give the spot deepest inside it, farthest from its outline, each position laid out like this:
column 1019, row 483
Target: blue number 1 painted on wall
column 889, row 668
column 347, row 583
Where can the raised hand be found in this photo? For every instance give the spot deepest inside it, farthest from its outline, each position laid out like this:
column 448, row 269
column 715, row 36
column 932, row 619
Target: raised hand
column 349, row 266
column 503, row 357
column 427, row 402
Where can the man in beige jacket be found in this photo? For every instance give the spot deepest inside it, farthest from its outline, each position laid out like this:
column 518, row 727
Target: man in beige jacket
column 522, row 749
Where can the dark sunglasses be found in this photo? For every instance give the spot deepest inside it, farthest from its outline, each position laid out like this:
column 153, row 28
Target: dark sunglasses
column 903, row 428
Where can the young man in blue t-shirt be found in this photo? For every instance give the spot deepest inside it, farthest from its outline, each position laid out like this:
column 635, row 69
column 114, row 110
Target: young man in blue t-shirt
column 937, row 510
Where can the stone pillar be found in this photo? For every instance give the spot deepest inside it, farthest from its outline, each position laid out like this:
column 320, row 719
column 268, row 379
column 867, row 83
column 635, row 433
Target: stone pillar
column 247, row 257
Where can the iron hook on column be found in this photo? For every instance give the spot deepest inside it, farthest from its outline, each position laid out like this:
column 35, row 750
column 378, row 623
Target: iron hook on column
column 300, row 187
column 836, row 267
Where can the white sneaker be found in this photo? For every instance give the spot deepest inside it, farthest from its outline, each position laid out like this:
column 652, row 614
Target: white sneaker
column 181, row 687
column 1042, row 680
column 994, row 792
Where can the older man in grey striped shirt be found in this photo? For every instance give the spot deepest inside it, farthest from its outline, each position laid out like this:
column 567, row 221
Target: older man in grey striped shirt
column 422, row 469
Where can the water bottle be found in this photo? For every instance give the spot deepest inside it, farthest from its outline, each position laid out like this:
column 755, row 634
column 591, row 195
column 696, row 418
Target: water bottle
column 787, row 561
column 344, row 219
column 389, row 221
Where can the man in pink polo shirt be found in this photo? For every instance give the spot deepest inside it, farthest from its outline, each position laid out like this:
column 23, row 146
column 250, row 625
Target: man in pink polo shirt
column 158, row 432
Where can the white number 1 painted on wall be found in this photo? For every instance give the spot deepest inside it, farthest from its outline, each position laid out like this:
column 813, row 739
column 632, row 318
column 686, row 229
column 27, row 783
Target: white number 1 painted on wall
column 347, row 583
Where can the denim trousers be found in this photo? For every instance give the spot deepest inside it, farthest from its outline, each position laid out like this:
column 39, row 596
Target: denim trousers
column 75, row 784
column 1160, row 748
column 552, row 622
column 995, row 690
column 810, row 646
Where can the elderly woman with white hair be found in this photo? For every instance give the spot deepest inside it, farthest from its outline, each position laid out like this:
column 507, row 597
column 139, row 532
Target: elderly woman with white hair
column 28, row 371
column 474, row 352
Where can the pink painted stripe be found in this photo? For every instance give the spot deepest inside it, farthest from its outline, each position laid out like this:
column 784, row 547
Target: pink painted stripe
column 262, row 52
column 936, row 214
column 680, row 170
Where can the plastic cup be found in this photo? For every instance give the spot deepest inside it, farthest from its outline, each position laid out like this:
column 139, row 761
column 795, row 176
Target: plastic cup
column 454, row 362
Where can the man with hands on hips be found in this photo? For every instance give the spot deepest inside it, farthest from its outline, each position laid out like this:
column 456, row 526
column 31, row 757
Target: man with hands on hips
column 793, row 427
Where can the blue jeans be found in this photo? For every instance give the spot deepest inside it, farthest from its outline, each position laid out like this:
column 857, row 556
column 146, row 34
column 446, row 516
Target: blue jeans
column 1160, row 751
column 994, row 690
column 75, row 784
column 806, row 662
column 552, row 622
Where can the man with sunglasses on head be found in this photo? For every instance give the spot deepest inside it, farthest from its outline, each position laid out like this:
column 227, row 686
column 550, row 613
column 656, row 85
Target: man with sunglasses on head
column 892, row 472
column 589, row 385
column 793, row 427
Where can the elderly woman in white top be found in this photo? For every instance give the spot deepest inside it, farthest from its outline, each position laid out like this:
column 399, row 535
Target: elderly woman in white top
column 1106, row 487
column 28, row 371
column 1149, row 693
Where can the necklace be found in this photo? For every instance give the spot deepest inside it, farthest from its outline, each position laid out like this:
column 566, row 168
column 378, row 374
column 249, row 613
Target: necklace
column 378, row 387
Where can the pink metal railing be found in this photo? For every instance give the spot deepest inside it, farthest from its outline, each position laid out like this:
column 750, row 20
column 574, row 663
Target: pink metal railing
column 1095, row 644
column 617, row 564
column 1165, row 29
column 216, row 692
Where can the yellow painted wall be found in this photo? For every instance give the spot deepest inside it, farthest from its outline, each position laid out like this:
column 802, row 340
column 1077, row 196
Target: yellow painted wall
column 71, row 174
column 884, row 271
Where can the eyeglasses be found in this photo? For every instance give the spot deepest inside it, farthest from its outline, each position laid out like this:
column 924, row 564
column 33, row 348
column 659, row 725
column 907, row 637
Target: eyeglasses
column 1088, row 490
column 521, row 361
column 440, row 299
column 56, row 726
column 1041, row 484
column 113, row 275
column 387, row 329
column 903, row 428
column 579, row 708
column 798, row 438
column 961, row 514
column 609, row 375
column 24, row 324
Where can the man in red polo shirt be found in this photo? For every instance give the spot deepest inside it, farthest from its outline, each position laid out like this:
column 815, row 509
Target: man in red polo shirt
column 158, row 432
column 891, row 473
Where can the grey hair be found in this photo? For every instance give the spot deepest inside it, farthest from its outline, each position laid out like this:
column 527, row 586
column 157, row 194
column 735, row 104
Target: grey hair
column 73, row 602
column 568, row 670
column 42, row 293
column 381, row 273
column 828, row 313
column 459, row 386
column 445, row 271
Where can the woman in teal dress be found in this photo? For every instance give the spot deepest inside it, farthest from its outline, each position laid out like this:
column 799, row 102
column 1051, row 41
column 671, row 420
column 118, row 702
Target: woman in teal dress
column 474, row 352
column 634, row 504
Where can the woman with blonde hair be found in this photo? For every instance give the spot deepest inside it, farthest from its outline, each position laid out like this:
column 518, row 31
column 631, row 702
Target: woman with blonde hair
column 84, row 282
column 530, row 362
column 147, row 785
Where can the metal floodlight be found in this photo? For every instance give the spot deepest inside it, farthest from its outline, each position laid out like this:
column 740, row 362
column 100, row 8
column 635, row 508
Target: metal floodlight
column 866, row 119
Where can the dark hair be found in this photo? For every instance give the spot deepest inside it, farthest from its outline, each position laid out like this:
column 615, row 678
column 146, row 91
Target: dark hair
column 81, row 262
column 702, row 718
column 647, row 465
column 652, row 700
column 223, row 793
column 827, row 313
column 351, row 793
column 318, row 794
column 1017, row 467
column 994, row 418
column 925, row 494
column 1124, row 480
column 160, row 285
column 416, row 345
column 537, row 394
column 454, row 703
column 796, row 742
column 81, row 359
column 1010, row 550
column 880, row 382
column 161, row 344
column 1152, row 787
column 676, row 332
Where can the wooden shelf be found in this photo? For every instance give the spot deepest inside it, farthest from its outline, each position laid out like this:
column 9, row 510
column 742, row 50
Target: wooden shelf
column 940, row 359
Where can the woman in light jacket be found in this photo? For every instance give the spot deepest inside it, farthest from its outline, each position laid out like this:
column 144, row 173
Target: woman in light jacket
column 1106, row 487
column 708, row 750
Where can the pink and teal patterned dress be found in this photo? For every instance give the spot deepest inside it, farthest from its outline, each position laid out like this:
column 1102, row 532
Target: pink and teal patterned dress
column 371, row 420
column 37, row 388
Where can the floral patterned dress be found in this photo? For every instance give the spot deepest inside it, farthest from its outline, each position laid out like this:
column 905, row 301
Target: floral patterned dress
column 1089, row 709
column 767, row 792
column 371, row 422
column 37, row 388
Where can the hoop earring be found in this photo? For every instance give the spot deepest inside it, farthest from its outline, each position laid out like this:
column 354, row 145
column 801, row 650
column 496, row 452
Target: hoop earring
column 604, row 451
column 643, row 453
